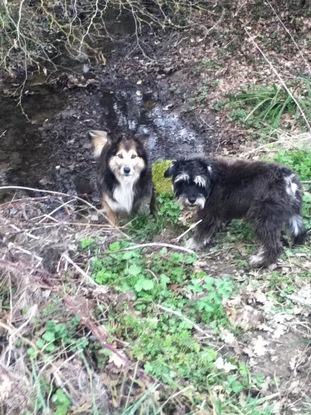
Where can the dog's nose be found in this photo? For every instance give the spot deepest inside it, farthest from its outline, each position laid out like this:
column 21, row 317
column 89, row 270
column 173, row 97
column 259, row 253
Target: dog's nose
column 192, row 200
column 126, row 170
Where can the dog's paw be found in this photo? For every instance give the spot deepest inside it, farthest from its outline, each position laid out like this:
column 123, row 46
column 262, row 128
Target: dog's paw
column 206, row 242
column 192, row 244
column 258, row 260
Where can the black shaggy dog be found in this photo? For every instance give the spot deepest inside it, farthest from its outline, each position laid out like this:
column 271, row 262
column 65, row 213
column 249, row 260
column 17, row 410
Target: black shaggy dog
column 123, row 175
column 268, row 196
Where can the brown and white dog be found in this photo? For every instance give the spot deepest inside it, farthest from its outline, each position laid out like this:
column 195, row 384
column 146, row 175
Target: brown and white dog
column 123, row 176
column 266, row 195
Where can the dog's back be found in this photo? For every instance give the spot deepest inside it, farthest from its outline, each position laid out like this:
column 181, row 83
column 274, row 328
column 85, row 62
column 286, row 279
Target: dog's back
column 245, row 188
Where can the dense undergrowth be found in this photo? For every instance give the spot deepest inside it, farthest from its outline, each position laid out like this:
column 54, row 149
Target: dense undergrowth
column 173, row 320
column 165, row 331
column 35, row 34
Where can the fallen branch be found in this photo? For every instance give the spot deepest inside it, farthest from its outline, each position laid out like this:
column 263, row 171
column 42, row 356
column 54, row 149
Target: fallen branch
column 79, row 269
column 79, row 307
column 52, row 192
column 194, row 225
column 186, row 319
column 159, row 245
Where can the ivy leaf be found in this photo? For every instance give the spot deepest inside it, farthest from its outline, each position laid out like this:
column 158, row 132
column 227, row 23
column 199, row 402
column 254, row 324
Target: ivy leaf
column 144, row 284
column 115, row 246
column 40, row 343
column 134, row 270
column 48, row 336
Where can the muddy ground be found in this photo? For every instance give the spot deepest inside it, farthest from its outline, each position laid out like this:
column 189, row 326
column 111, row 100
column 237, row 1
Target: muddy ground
column 163, row 89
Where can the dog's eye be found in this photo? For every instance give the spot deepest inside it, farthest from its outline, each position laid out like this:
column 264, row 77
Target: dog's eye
column 120, row 156
column 133, row 156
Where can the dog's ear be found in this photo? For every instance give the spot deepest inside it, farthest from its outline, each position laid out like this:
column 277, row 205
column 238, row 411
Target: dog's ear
column 98, row 139
column 171, row 170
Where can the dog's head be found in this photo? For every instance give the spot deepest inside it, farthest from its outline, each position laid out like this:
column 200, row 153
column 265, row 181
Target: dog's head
column 127, row 157
column 191, row 181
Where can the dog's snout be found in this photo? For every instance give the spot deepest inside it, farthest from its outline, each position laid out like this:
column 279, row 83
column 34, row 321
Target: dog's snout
column 192, row 199
column 126, row 170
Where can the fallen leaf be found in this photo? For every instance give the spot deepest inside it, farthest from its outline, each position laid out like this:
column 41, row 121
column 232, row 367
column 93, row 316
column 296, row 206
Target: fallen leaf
column 260, row 346
column 118, row 358
column 224, row 365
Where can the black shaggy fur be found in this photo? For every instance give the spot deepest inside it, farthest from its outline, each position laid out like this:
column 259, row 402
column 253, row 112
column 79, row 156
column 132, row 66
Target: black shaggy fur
column 268, row 196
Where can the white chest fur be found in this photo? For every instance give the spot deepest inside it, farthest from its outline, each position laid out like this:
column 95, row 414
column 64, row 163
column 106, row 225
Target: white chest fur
column 123, row 196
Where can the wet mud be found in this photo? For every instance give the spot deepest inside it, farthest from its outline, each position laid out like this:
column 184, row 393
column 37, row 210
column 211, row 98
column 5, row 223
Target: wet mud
column 47, row 146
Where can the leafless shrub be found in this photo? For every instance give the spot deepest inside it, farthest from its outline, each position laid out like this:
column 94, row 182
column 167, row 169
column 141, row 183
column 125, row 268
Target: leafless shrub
column 36, row 32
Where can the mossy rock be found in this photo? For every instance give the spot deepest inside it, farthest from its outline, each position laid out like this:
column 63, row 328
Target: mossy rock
column 161, row 184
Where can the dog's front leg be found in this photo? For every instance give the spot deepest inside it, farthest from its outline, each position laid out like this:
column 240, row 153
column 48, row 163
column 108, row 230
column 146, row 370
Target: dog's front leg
column 144, row 207
column 109, row 213
column 204, row 233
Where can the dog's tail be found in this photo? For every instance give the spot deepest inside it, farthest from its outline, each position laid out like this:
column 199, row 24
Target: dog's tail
column 297, row 229
column 99, row 139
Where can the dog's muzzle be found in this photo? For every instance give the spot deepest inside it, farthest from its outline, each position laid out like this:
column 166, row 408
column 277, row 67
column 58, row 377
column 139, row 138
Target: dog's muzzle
column 126, row 171
column 192, row 202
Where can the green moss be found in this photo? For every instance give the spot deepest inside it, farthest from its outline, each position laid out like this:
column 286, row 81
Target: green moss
column 161, row 184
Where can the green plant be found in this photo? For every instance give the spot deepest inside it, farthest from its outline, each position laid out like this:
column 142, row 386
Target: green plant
column 87, row 243
column 130, row 270
column 209, row 307
column 239, row 230
column 171, row 297
column 209, row 63
column 145, row 405
column 298, row 160
column 61, row 401
column 167, row 215
column 169, row 210
column 59, row 335
column 266, row 104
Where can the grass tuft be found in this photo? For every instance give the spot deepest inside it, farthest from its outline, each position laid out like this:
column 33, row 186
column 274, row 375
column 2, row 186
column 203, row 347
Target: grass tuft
column 268, row 105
